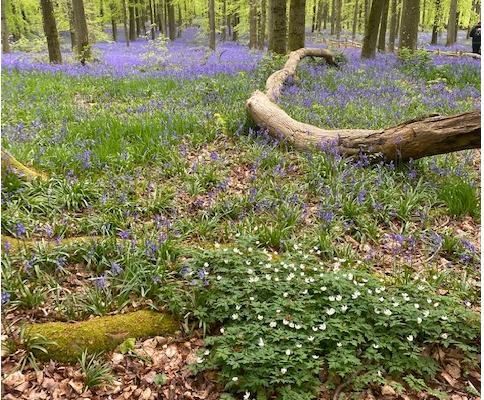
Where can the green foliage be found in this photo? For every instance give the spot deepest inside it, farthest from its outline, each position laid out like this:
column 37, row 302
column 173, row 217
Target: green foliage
column 26, row 346
column 285, row 317
column 460, row 196
column 96, row 371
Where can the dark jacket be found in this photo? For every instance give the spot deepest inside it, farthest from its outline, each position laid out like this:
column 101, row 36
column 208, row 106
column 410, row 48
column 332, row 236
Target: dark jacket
column 476, row 34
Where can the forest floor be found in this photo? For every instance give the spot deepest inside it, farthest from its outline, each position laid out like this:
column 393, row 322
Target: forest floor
column 177, row 165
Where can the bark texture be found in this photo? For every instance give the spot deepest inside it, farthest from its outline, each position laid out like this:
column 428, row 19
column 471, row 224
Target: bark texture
column 51, row 33
column 82, row 34
column 415, row 139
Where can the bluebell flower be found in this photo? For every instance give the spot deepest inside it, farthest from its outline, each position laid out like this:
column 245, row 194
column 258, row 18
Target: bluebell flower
column 5, row 297
column 20, row 230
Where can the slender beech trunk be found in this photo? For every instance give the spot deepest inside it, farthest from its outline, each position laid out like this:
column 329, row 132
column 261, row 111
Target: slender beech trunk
column 393, row 25
column 409, row 29
column 252, row 24
column 278, row 26
column 82, row 35
column 171, row 20
column 270, row 24
column 125, row 23
column 355, row 20
column 383, row 27
column 223, row 24
column 315, row 12
column 368, row 49
column 319, row 21
column 333, row 16
column 211, row 24
column 180, row 22
column 262, row 26
column 139, row 22
column 235, row 28
column 297, row 25
column 114, row 24
column 132, row 21
column 339, row 5
column 5, row 33
column 72, row 28
column 451, row 23
column 51, row 33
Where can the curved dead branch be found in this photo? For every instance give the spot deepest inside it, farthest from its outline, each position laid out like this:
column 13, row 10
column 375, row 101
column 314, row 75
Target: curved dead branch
column 417, row 138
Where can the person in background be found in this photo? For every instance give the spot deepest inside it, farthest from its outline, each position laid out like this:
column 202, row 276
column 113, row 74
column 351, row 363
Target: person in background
column 476, row 38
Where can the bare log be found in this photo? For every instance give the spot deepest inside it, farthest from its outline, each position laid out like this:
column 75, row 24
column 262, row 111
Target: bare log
column 276, row 81
column 421, row 137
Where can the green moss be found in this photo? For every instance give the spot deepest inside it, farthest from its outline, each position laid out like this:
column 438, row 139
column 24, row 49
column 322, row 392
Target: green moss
column 100, row 334
column 9, row 162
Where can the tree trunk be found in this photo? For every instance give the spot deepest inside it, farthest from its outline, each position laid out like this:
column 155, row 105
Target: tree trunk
column 321, row 8
column 132, row 22
column 138, row 18
column 114, row 24
column 393, row 27
column 162, row 18
column 278, row 27
column 368, row 49
column 337, row 27
column 125, row 23
column 50, row 30
column 451, row 24
column 180, row 22
column 72, row 28
column 262, row 26
column 211, row 24
column 315, row 13
column 223, row 24
column 437, row 22
column 297, row 24
column 414, row 139
column 171, row 20
column 82, row 34
column 252, row 24
column 151, row 7
column 333, row 17
column 355, row 21
column 5, row 32
column 235, row 28
column 409, row 24
column 383, row 27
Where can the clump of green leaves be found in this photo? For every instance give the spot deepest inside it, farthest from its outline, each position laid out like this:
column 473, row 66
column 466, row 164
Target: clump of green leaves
column 96, row 371
column 284, row 318
column 460, row 196
column 25, row 346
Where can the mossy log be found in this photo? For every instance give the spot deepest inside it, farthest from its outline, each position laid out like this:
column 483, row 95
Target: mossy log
column 11, row 164
column 100, row 333
column 417, row 138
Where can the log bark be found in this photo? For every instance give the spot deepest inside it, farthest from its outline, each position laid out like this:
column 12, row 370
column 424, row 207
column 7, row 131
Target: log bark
column 421, row 137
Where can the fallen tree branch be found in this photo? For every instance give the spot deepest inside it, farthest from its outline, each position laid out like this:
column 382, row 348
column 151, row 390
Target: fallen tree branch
column 100, row 334
column 417, row 138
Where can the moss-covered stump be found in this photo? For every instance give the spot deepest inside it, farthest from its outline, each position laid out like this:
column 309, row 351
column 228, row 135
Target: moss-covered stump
column 100, row 334
column 11, row 164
